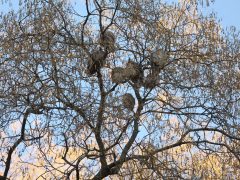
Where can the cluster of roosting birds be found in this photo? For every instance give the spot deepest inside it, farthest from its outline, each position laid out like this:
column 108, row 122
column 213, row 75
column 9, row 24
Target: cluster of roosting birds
column 132, row 72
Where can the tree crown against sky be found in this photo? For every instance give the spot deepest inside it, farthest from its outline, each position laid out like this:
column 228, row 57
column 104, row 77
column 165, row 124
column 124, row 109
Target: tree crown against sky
column 118, row 89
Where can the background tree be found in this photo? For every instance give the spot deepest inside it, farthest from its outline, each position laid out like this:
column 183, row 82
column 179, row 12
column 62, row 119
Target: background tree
column 117, row 89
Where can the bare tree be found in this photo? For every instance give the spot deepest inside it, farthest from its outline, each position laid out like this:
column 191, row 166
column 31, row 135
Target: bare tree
column 119, row 89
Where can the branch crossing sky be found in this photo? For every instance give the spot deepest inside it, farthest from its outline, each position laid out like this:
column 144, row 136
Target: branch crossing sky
column 227, row 10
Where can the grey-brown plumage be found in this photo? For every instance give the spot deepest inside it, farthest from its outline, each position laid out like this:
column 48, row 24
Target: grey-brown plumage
column 150, row 81
column 133, row 71
column 96, row 60
column 108, row 40
column 118, row 75
column 128, row 101
column 159, row 58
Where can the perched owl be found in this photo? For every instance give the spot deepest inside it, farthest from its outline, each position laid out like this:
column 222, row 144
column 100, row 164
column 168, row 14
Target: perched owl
column 107, row 40
column 96, row 60
column 159, row 58
column 128, row 101
column 134, row 71
column 118, row 75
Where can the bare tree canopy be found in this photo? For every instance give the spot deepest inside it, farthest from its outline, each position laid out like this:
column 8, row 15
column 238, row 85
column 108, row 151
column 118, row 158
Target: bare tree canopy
column 118, row 89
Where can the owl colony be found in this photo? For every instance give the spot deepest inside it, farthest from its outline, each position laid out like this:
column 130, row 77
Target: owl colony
column 132, row 72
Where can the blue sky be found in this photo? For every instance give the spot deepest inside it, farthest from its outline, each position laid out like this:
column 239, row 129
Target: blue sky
column 228, row 11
